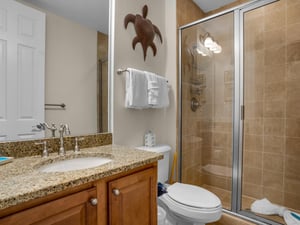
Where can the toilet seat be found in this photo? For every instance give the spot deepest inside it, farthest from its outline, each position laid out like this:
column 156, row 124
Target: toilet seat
column 179, row 200
column 193, row 196
column 184, row 204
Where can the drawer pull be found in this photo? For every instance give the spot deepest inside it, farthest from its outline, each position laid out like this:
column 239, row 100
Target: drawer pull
column 94, row 201
column 116, row 192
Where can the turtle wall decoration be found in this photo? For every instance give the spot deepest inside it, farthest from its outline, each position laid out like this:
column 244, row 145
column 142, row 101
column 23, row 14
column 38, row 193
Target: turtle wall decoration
column 145, row 31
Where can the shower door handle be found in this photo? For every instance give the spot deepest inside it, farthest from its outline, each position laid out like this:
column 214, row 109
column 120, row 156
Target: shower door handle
column 242, row 112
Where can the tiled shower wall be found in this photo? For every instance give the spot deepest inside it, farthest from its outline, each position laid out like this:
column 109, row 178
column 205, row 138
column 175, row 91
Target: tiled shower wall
column 272, row 104
column 187, row 12
column 207, row 133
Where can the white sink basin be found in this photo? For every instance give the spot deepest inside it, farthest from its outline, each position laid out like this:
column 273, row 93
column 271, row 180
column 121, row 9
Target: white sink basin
column 74, row 164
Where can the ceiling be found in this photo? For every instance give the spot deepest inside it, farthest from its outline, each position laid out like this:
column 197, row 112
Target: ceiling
column 91, row 13
column 209, row 5
column 95, row 13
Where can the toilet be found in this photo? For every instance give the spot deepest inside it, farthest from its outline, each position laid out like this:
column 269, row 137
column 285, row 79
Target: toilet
column 184, row 204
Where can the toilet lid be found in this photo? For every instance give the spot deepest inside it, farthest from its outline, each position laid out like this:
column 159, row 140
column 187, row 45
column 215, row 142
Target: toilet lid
column 193, row 196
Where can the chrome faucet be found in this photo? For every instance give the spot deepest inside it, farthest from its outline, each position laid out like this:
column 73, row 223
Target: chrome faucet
column 52, row 128
column 63, row 129
column 43, row 126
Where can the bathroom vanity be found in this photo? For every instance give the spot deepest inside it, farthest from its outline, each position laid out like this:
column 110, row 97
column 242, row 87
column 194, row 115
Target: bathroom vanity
column 121, row 192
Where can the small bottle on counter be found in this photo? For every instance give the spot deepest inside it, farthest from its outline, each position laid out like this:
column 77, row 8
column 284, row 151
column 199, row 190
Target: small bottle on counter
column 149, row 139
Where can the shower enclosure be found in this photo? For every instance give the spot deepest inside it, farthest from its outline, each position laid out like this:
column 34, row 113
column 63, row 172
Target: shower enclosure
column 240, row 106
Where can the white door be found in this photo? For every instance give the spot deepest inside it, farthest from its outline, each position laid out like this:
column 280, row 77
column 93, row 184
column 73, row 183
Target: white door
column 22, row 61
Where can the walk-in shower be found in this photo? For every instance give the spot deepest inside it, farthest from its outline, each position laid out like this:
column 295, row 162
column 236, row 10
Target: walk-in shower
column 240, row 108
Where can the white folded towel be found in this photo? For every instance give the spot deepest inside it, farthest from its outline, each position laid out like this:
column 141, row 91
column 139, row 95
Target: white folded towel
column 136, row 89
column 158, row 90
column 264, row 206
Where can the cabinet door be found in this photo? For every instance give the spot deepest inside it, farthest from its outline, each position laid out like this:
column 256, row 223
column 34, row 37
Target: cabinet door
column 74, row 209
column 132, row 199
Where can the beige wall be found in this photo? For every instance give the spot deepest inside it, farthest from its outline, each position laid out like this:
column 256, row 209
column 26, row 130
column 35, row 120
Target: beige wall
column 71, row 69
column 70, row 73
column 129, row 124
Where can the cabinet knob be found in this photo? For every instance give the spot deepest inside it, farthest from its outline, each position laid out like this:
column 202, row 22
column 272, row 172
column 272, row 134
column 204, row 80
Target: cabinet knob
column 116, row 191
column 94, row 201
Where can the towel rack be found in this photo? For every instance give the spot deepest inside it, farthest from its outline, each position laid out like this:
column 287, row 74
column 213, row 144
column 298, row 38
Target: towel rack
column 120, row 71
column 61, row 106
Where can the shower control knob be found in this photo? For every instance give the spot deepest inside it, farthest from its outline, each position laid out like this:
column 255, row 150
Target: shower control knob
column 116, row 191
column 194, row 104
column 94, row 201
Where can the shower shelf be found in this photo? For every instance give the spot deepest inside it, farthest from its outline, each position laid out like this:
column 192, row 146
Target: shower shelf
column 218, row 170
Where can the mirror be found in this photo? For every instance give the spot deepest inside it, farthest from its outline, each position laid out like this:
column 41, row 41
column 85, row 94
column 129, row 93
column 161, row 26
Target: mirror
column 76, row 64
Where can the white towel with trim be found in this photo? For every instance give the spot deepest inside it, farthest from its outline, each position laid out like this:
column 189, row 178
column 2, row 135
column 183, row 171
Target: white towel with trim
column 136, row 96
column 158, row 90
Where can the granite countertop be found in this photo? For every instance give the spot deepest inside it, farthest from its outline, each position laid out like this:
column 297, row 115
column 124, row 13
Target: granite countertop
column 21, row 181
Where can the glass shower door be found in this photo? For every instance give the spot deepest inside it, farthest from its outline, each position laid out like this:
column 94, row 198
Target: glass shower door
column 271, row 135
column 207, row 102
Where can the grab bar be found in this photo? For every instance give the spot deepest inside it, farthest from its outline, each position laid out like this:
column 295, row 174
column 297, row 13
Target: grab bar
column 62, row 105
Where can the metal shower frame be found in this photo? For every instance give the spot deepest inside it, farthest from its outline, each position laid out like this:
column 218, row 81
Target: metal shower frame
column 238, row 106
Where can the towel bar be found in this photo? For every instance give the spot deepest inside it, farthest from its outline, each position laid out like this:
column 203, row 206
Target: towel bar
column 120, row 71
column 62, row 106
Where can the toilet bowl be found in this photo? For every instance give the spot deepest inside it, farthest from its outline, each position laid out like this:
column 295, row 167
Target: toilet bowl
column 184, row 204
column 193, row 204
column 161, row 216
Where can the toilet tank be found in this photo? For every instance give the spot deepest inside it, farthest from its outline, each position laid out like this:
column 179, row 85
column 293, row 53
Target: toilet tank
column 163, row 164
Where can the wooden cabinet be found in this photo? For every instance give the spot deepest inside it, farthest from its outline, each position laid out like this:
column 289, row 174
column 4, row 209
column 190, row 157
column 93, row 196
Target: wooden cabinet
column 75, row 209
column 127, row 198
column 132, row 199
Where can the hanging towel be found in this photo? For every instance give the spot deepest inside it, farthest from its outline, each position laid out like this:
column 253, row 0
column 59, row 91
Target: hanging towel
column 136, row 96
column 158, row 90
